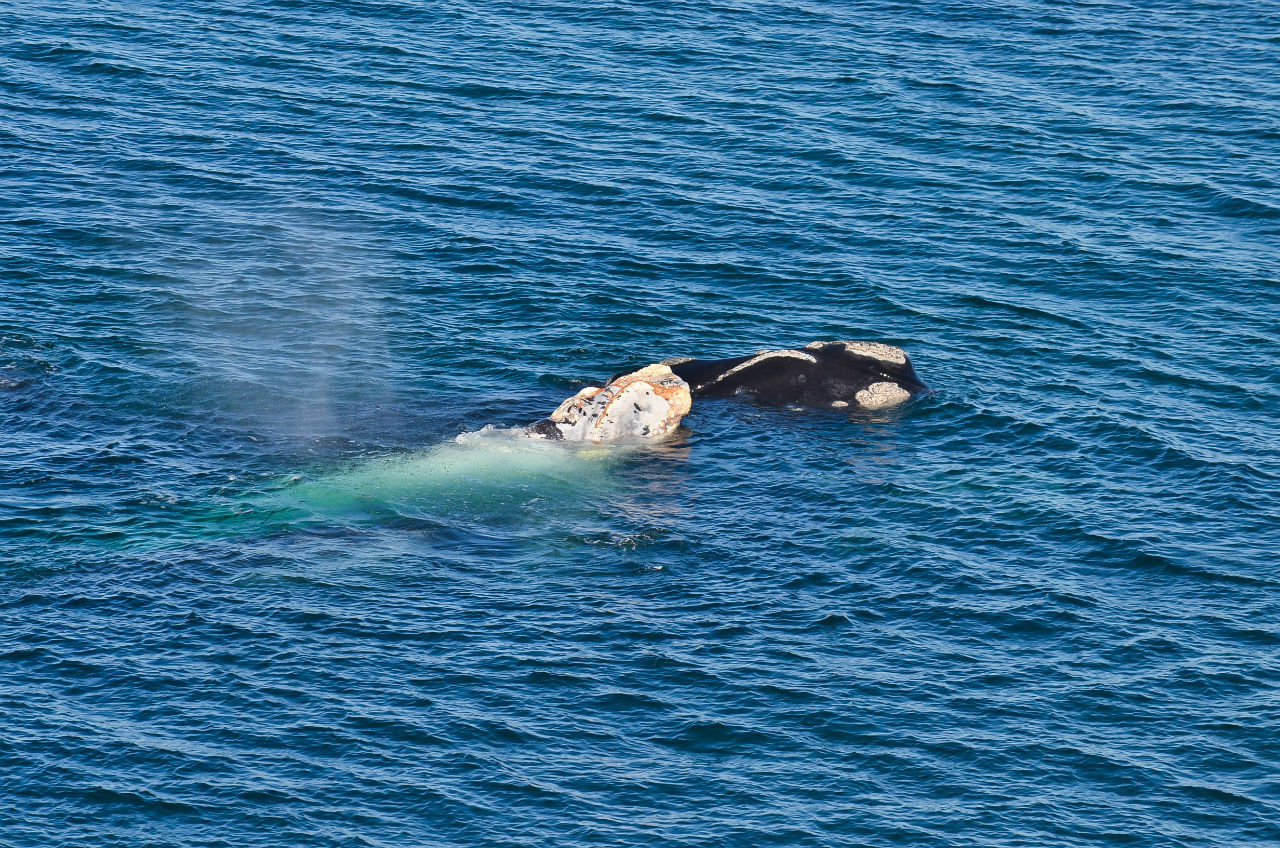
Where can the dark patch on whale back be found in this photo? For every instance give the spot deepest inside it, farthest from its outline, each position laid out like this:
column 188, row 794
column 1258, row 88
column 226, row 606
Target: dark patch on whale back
column 546, row 428
column 780, row 378
column 700, row 374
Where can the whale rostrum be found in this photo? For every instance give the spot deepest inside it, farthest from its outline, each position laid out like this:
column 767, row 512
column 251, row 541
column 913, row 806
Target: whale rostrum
column 649, row 402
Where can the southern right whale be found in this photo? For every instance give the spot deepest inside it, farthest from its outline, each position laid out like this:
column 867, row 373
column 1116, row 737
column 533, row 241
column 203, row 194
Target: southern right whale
column 838, row 374
column 649, row 402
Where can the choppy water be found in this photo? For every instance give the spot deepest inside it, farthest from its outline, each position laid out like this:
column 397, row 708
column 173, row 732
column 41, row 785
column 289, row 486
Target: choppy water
column 261, row 263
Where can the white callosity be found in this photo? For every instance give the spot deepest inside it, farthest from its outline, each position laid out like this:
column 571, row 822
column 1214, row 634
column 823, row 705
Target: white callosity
column 763, row 356
column 881, row 395
column 872, row 350
column 644, row 404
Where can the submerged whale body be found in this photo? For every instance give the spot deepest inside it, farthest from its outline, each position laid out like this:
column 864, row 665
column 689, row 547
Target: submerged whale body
column 650, row 402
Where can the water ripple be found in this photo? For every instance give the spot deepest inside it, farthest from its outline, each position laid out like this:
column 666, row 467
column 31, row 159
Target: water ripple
column 269, row 272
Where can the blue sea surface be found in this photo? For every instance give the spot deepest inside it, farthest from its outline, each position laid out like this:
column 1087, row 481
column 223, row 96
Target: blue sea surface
column 268, row 270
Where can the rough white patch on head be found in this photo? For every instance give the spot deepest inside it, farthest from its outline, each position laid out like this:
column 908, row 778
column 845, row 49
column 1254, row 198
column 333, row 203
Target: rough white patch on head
column 873, row 350
column 568, row 412
column 839, row 404
column 643, row 404
column 764, row 356
column 881, row 395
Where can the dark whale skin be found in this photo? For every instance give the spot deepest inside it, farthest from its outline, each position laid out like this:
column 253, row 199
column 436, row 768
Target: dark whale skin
column 819, row 374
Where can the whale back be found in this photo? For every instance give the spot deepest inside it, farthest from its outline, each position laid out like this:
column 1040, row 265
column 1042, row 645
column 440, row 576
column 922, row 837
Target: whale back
column 833, row 374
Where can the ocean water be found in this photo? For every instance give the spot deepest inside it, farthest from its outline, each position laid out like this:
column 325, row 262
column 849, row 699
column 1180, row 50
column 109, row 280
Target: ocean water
column 268, row 270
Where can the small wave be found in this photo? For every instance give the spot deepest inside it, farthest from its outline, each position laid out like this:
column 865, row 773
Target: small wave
column 1230, row 203
column 21, row 364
